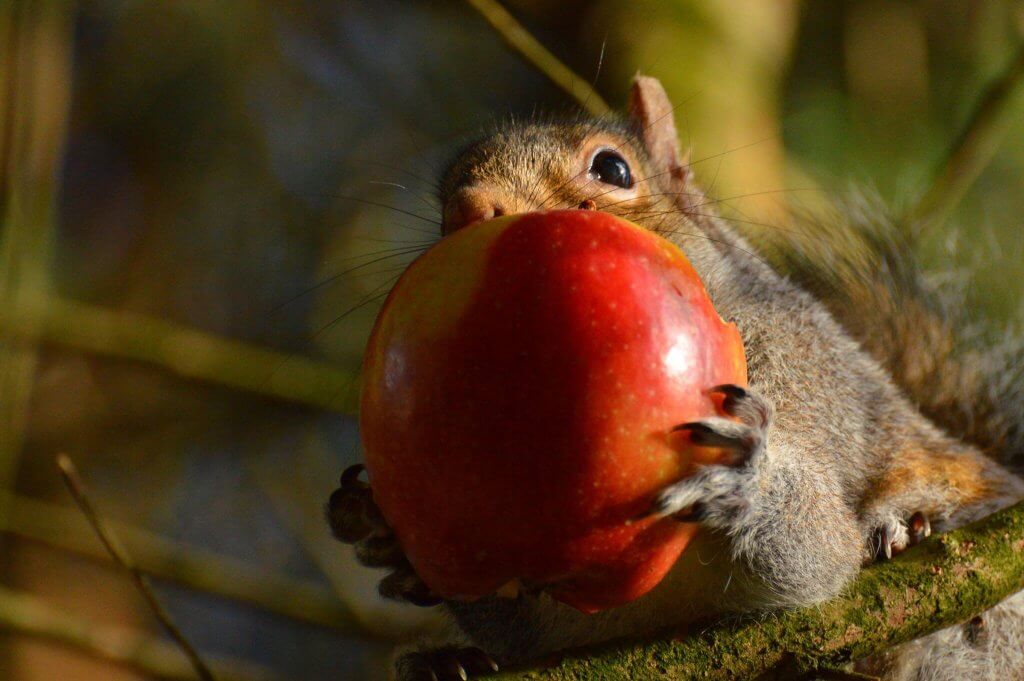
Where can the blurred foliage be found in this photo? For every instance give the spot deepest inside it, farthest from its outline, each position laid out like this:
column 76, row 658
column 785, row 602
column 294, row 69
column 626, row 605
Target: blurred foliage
column 219, row 160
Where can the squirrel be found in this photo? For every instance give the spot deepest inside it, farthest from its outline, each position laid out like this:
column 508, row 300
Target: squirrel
column 866, row 423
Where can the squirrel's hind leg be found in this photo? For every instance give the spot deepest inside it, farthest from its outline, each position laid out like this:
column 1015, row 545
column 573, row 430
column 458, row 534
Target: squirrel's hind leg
column 444, row 664
column 937, row 485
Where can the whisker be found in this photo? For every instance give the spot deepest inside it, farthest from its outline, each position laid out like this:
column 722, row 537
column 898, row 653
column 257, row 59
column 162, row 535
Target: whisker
column 801, row 230
column 594, row 122
column 386, row 270
column 640, row 181
column 435, row 171
column 733, row 150
column 645, row 196
column 373, row 299
column 378, row 204
column 691, row 163
column 431, row 184
column 754, row 223
column 753, row 255
column 730, row 219
column 420, row 242
column 419, row 196
column 392, row 253
column 369, row 298
column 593, row 125
column 714, row 178
column 689, row 209
column 597, row 74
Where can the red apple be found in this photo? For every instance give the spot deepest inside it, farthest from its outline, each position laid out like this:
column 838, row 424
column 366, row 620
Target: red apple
column 519, row 391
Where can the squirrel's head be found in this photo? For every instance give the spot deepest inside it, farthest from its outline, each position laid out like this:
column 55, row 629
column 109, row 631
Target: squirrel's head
column 632, row 168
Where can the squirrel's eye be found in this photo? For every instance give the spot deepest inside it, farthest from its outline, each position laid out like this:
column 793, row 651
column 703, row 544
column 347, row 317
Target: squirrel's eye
column 611, row 168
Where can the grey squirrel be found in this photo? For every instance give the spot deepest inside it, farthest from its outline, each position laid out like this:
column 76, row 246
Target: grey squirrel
column 834, row 465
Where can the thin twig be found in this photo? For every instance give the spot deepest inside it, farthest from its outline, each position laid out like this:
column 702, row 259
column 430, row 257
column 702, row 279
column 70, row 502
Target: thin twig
column 27, row 615
column 75, row 485
column 519, row 39
column 193, row 567
column 974, row 148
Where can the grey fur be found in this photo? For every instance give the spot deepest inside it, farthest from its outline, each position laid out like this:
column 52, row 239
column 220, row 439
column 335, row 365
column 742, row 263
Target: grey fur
column 962, row 373
column 848, row 458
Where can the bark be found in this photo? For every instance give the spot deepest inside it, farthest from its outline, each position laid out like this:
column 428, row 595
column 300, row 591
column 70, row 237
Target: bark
column 944, row 581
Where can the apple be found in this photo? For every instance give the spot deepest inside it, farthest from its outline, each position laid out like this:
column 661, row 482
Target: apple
column 519, row 392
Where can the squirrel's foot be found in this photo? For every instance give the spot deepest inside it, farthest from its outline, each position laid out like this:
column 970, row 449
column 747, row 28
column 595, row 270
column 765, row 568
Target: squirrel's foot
column 718, row 492
column 444, row 664
column 355, row 519
column 896, row 534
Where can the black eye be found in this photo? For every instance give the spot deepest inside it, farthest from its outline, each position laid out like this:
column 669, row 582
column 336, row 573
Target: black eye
column 611, row 168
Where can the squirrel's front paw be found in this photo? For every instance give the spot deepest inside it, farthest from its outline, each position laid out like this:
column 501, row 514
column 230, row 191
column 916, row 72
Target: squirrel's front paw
column 444, row 664
column 896, row 534
column 717, row 492
column 355, row 519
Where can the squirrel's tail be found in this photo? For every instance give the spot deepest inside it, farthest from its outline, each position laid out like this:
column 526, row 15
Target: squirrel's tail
column 962, row 374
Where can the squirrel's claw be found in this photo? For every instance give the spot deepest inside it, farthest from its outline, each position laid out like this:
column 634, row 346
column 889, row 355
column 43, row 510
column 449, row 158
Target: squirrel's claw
column 403, row 584
column 744, row 434
column 892, row 540
column 380, row 552
column 749, row 407
column 351, row 511
column 717, row 491
column 355, row 519
column 445, row 664
column 919, row 528
column 741, row 440
column 713, row 494
column 896, row 535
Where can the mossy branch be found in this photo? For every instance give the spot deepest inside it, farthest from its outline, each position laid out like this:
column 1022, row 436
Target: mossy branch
column 945, row 581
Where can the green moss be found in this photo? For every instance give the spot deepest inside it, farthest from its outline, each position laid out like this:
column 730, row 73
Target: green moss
column 944, row 581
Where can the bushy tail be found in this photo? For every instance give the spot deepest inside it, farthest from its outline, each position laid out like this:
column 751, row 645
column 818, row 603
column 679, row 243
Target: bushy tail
column 966, row 377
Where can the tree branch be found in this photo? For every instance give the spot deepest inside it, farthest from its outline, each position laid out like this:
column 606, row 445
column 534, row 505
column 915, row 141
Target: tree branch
column 184, row 351
column 519, row 39
column 74, row 484
column 944, row 581
column 35, row 91
column 974, row 148
column 192, row 567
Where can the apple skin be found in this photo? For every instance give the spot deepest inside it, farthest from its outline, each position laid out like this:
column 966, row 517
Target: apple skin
column 519, row 391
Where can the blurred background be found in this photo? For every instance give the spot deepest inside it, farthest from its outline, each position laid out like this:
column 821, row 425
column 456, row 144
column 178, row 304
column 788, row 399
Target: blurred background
column 195, row 238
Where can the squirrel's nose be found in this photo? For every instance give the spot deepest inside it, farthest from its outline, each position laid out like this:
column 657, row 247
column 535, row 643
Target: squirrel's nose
column 469, row 205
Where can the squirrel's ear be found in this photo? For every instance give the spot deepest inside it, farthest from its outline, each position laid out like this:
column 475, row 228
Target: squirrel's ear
column 651, row 114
